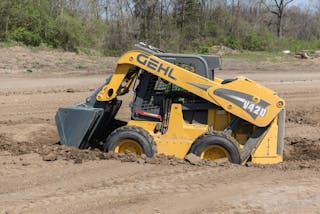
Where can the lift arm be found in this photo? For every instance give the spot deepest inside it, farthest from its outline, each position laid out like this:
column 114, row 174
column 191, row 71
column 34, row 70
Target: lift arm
column 241, row 97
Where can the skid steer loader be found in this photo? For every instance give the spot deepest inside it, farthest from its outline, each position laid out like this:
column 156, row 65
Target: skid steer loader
column 179, row 107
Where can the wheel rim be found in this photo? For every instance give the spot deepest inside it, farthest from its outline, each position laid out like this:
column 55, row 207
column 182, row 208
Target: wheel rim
column 214, row 153
column 130, row 146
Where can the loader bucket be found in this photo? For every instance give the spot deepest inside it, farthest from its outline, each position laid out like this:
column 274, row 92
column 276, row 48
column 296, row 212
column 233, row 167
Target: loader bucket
column 76, row 124
column 85, row 124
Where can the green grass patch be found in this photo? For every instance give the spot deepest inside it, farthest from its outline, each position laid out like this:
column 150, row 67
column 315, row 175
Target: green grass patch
column 41, row 47
column 8, row 44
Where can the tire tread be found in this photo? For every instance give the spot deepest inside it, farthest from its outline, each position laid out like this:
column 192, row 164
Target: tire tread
column 138, row 130
column 207, row 134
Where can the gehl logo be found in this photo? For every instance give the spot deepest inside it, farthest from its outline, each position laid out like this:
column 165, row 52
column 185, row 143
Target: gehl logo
column 155, row 65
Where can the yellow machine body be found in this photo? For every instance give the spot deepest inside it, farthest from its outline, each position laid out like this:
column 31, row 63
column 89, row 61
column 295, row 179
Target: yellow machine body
column 180, row 135
column 258, row 135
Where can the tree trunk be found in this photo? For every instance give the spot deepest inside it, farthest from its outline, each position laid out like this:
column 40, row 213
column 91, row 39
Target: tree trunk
column 7, row 26
column 279, row 30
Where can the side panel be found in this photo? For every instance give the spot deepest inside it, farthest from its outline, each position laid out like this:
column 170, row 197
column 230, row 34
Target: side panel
column 266, row 153
column 179, row 136
column 146, row 125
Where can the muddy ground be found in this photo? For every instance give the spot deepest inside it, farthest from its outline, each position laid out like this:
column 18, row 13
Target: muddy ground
column 39, row 176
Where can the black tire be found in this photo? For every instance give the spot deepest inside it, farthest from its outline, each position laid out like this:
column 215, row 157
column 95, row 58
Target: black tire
column 220, row 140
column 137, row 134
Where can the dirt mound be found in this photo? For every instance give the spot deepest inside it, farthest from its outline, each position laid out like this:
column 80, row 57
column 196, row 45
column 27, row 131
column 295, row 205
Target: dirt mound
column 298, row 148
column 18, row 147
column 42, row 140
column 51, row 151
column 56, row 151
column 23, row 60
column 45, row 149
column 309, row 116
column 26, row 138
column 299, row 153
column 290, row 165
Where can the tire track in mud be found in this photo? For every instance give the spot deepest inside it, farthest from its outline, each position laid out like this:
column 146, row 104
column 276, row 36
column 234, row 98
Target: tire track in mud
column 197, row 187
column 62, row 184
column 157, row 182
column 119, row 191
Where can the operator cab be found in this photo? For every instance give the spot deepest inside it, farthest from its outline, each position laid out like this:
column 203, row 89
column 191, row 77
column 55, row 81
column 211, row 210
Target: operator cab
column 154, row 96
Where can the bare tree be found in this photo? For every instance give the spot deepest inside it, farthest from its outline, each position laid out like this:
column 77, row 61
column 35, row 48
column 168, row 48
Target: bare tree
column 277, row 7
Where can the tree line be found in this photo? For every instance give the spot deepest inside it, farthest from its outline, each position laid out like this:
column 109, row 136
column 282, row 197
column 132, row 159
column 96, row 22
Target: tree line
column 112, row 26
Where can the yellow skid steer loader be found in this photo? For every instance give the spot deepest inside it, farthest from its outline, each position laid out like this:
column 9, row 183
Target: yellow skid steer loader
column 179, row 107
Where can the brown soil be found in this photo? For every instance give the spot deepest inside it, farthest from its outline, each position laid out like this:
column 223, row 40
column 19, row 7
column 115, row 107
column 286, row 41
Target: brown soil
column 38, row 175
